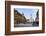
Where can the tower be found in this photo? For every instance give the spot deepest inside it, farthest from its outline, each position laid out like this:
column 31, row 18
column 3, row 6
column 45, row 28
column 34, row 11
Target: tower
column 22, row 13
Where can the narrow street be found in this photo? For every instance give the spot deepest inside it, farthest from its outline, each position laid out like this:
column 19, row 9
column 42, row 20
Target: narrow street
column 23, row 25
column 27, row 24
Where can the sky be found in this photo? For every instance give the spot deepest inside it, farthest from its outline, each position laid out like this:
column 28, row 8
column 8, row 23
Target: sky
column 28, row 12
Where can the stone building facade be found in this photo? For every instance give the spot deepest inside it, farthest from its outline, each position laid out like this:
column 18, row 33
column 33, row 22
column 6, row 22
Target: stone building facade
column 37, row 18
column 18, row 17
